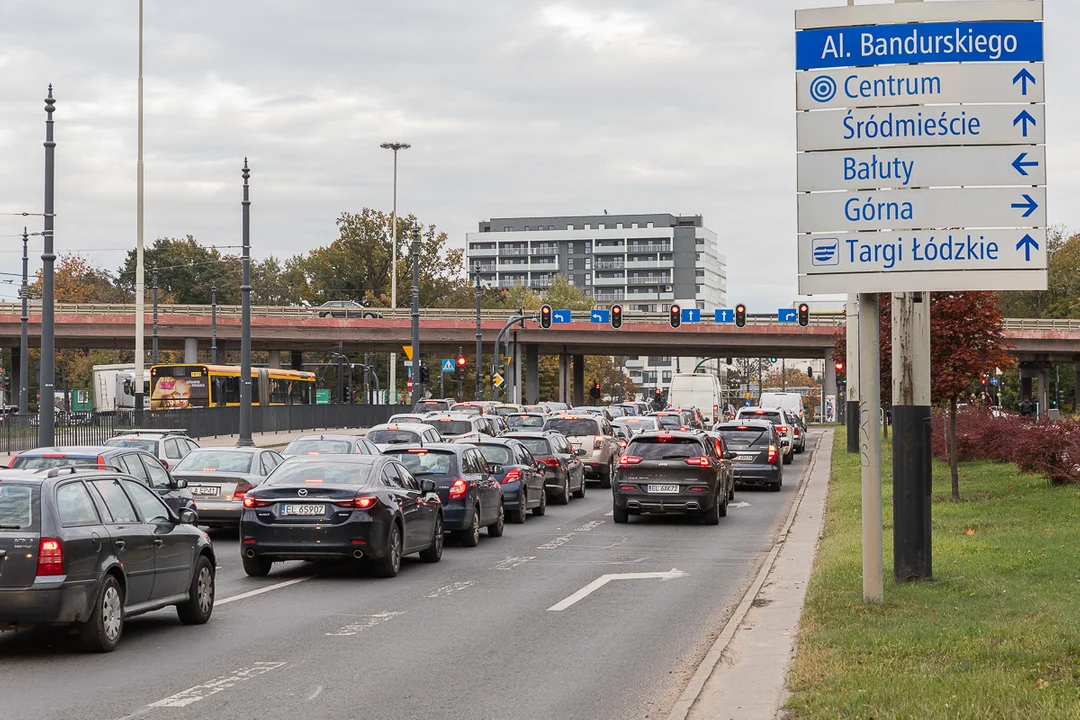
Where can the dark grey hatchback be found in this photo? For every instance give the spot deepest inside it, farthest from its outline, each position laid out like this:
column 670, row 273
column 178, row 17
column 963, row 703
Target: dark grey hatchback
column 91, row 548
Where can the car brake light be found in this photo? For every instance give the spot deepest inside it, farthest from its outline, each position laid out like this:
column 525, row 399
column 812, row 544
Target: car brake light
column 512, row 475
column 392, row 427
column 682, row 428
column 743, row 427
column 699, row 461
column 241, row 490
column 627, row 488
column 781, row 428
column 699, row 489
column 417, row 451
column 662, row 437
column 360, row 501
column 54, row 456
column 551, row 462
column 101, row 463
column 772, row 453
column 457, row 490
column 165, row 463
column 598, row 442
column 759, row 412
column 11, row 462
column 50, row 557
column 629, row 460
column 250, row 502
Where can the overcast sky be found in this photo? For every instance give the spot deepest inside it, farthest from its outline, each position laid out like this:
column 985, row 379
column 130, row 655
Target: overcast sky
column 513, row 107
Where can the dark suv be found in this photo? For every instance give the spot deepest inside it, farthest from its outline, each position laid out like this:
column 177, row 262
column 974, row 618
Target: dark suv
column 93, row 547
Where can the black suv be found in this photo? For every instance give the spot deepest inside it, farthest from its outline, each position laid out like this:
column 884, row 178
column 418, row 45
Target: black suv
column 93, row 547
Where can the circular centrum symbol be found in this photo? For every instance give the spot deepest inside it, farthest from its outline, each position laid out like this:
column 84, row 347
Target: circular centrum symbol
column 823, row 89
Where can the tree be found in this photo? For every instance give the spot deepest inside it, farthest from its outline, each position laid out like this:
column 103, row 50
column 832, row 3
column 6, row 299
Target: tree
column 274, row 283
column 187, row 271
column 1061, row 299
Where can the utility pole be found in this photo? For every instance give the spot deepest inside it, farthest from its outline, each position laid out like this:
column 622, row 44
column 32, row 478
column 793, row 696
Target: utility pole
column 418, row 387
column 341, row 372
column 460, row 390
column 870, row 446
column 213, row 324
column 46, row 411
column 852, row 373
column 479, row 367
column 24, row 348
column 154, row 343
column 245, row 318
column 140, row 268
column 395, row 146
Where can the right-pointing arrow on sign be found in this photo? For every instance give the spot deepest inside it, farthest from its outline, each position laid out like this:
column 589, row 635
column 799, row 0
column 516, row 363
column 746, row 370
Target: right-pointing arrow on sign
column 1029, row 205
column 1027, row 244
column 1021, row 162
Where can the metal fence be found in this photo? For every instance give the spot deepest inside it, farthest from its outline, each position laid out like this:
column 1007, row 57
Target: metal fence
column 18, row 433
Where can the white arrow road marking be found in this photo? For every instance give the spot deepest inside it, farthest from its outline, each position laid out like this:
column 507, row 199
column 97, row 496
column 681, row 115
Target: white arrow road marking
column 366, row 624
column 448, row 589
column 512, row 562
column 201, row 692
column 739, row 504
column 605, row 579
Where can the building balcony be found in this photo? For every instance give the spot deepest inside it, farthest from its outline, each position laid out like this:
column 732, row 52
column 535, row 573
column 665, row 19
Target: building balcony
column 648, row 280
column 545, row 262
column 610, row 297
column 650, row 264
column 544, row 250
column 485, row 252
column 609, row 249
column 608, row 265
column 648, row 248
column 609, row 281
column 513, row 251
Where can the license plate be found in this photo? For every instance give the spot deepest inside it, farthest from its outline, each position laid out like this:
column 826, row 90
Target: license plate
column 745, row 458
column 671, row 489
column 306, row 509
column 204, row 489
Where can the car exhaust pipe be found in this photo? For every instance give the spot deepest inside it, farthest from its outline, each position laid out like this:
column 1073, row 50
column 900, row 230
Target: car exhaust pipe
column 250, row 552
column 358, row 554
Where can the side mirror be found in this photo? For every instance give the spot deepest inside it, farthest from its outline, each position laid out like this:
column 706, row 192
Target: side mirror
column 495, row 469
column 427, row 486
column 541, row 466
column 188, row 516
column 180, row 484
column 582, row 452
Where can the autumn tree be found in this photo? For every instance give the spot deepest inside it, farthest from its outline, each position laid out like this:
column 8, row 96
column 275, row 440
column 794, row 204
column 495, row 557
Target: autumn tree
column 187, row 272
column 1061, row 299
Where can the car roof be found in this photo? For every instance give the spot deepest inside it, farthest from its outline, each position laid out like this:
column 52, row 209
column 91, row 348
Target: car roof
column 329, row 436
column 230, row 449
column 151, row 432
column 402, row 426
column 43, row 475
column 404, row 447
column 684, row 434
column 361, row 459
column 452, row 416
column 527, row 434
column 735, row 424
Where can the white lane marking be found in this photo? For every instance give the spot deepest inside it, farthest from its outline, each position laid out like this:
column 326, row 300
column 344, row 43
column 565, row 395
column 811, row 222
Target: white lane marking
column 449, row 589
column 260, row 591
column 605, row 579
column 512, row 562
column 213, row 687
column 552, row 544
column 592, row 525
column 365, row 624
column 739, row 504
column 609, row 513
column 315, row 694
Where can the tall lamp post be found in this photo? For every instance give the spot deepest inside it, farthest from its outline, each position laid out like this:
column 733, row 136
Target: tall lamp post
column 418, row 386
column 46, row 411
column 24, row 349
column 245, row 319
column 479, row 336
column 140, row 269
column 213, row 324
column 154, row 342
column 395, row 146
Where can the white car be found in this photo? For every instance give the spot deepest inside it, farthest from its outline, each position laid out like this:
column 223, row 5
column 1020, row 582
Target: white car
column 792, row 403
column 785, row 426
column 387, row 434
column 459, row 426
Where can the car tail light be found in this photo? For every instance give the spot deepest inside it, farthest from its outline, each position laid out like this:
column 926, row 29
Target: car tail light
column 629, row 460
column 551, row 462
column 622, row 444
column 598, row 442
column 682, row 428
column 241, row 490
column 627, row 488
column 250, row 502
column 416, row 451
column 512, row 475
column 101, row 463
column 457, row 490
column 772, row 453
column 165, row 463
column 699, row 461
column 781, row 429
column 54, row 456
column 362, row 502
column 50, row 557
column 699, row 489
column 11, row 462
column 662, row 437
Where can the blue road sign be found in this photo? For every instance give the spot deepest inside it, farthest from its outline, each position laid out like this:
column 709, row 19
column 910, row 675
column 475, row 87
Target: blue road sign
column 560, row 317
column 600, row 316
column 448, row 365
column 993, row 381
column 691, row 315
column 724, row 315
column 747, row 404
column 787, row 315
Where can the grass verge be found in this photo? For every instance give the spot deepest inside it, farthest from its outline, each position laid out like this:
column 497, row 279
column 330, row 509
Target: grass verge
column 995, row 634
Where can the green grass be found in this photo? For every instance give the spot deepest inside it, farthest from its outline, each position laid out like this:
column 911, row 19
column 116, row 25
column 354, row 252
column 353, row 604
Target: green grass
column 995, row 634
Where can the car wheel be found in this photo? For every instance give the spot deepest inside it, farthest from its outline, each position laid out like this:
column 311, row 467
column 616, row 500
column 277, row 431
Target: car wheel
column 470, row 536
column 564, row 494
column 522, row 513
column 102, row 631
column 721, row 503
column 712, row 515
column 540, row 509
column 433, row 554
column 197, row 609
column 256, row 566
column 619, row 515
column 605, row 477
column 496, row 528
column 389, row 566
column 580, row 492
column 788, row 458
column 731, row 492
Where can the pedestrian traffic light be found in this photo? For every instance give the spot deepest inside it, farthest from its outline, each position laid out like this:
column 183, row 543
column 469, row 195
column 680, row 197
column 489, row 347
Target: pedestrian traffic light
column 772, row 360
column 740, row 315
column 616, row 316
column 675, row 316
column 545, row 317
column 804, row 314
column 408, row 384
column 352, row 397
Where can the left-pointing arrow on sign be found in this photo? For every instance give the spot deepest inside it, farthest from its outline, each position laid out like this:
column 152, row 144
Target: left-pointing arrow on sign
column 1029, row 205
column 1021, row 162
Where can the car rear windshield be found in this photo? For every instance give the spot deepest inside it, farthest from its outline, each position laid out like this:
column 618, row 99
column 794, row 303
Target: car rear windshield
column 453, row 427
column 749, row 437
column 433, row 405
column 318, row 447
column 525, row 421
column 40, row 462
column 669, row 422
column 640, row 423
column 468, row 409
column 496, row 454
column 215, row 461
column 573, row 428
column 149, row 446
column 16, row 507
column 770, row 415
column 537, row 446
column 665, row 449
column 427, row 462
column 393, row 437
column 320, row 473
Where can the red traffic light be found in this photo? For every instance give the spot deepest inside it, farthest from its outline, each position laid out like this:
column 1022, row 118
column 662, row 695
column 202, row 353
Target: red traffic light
column 461, row 361
column 740, row 315
column 839, row 367
column 616, row 316
column 804, row 314
column 675, row 316
column 545, row 317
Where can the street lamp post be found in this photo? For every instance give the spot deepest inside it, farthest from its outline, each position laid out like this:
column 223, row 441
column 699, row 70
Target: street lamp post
column 154, row 343
column 395, row 146
column 46, row 411
column 213, row 324
column 24, row 348
column 245, row 318
column 479, row 338
column 140, row 269
column 418, row 386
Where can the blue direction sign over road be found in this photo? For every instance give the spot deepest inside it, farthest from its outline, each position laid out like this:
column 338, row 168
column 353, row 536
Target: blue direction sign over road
column 560, row 317
column 787, row 315
column 448, row 365
column 600, row 316
column 724, row 315
column 691, row 315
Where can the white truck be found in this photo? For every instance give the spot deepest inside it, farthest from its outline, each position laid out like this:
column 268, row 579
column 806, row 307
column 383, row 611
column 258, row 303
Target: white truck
column 698, row 390
column 114, row 387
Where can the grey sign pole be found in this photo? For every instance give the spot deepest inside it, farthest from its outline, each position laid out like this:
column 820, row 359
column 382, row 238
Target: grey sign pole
column 24, row 348
column 870, row 435
column 154, row 343
column 213, row 325
column 46, row 411
column 418, row 387
column 851, row 409
column 245, row 318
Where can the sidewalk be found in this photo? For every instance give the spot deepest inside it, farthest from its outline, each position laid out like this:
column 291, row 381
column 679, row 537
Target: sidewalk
column 743, row 677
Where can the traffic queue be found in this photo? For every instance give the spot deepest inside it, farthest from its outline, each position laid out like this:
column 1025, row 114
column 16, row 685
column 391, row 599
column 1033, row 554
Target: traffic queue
column 83, row 530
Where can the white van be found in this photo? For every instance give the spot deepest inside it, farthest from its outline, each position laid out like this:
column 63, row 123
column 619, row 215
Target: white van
column 792, row 403
column 698, row 390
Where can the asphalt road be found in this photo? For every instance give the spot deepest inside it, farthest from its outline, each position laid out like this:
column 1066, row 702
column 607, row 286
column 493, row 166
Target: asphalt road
column 469, row 637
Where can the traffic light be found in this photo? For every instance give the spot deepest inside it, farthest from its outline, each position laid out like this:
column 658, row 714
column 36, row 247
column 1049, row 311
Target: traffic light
column 545, row 317
column 804, row 314
column 675, row 316
column 810, row 372
column 740, row 315
column 839, row 367
column 616, row 316
column 408, row 384
column 461, row 363
column 772, row 360
column 352, row 398
column 425, row 374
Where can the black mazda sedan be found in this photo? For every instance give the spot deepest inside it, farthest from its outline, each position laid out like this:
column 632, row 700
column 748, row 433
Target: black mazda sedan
column 367, row 508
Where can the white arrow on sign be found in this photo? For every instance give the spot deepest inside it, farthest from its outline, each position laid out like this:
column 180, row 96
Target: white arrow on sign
column 603, row 580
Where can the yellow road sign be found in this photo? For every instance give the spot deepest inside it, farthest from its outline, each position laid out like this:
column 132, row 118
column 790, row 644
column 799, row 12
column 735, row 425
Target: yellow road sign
column 408, row 351
column 497, row 380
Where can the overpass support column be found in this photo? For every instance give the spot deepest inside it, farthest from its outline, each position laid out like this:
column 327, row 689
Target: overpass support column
column 275, row 359
column 532, row 375
column 828, row 387
column 191, row 350
column 564, row 378
column 1076, row 401
column 518, row 395
column 1025, row 381
column 579, row 380
column 1044, row 388
column 296, row 359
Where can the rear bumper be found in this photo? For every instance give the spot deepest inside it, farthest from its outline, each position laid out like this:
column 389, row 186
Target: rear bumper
column 457, row 515
column 219, row 513
column 553, row 481
column 682, row 504
column 281, row 541
column 52, row 602
column 757, row 475
column 511, row 493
